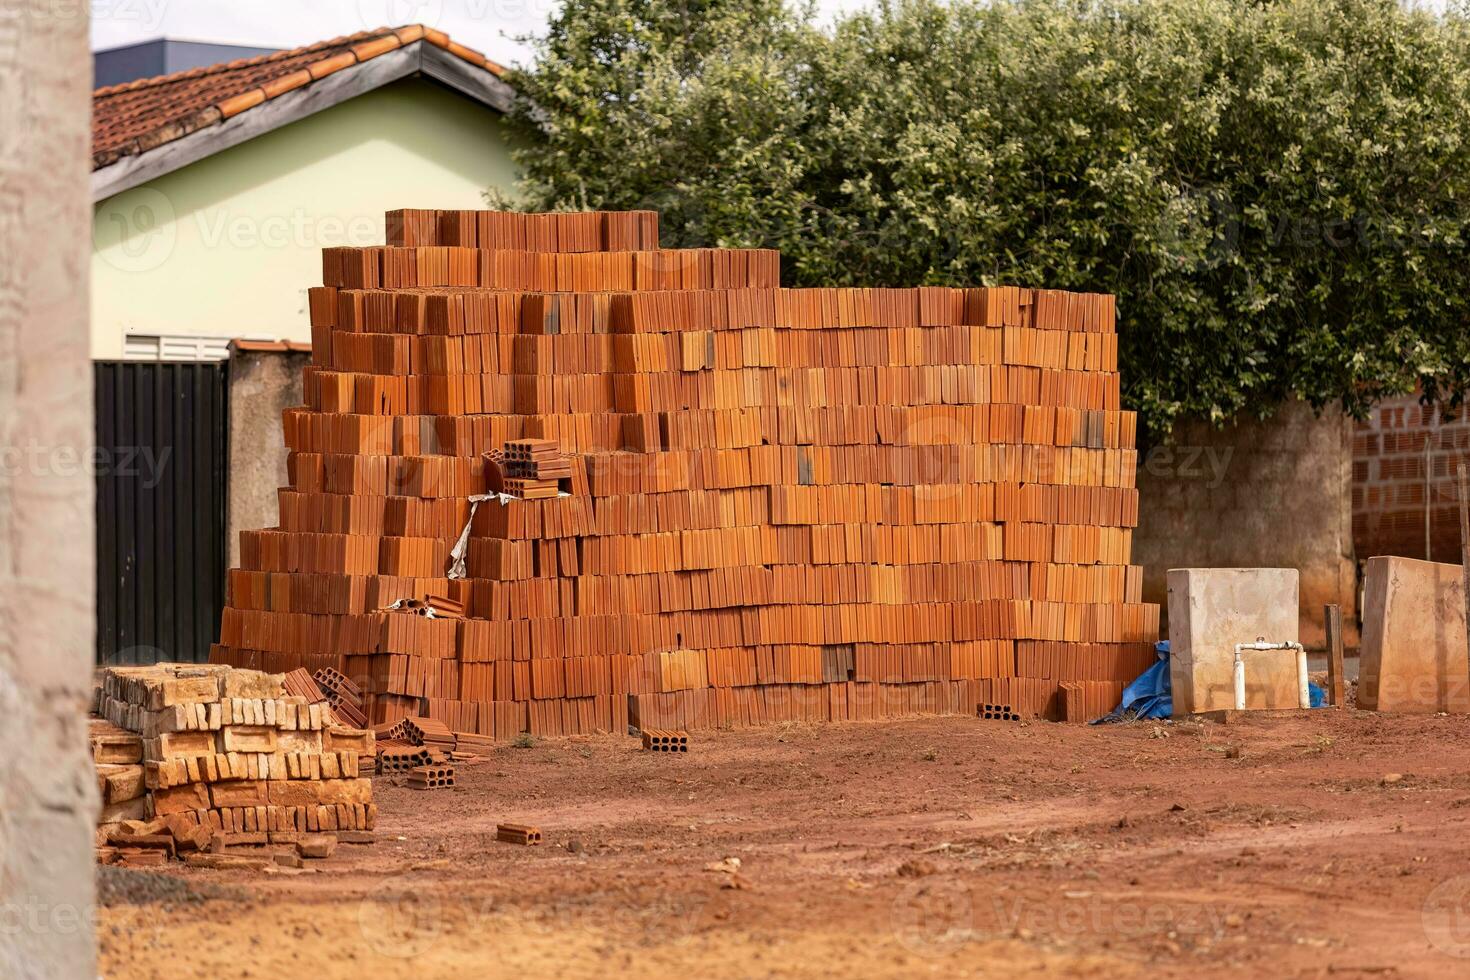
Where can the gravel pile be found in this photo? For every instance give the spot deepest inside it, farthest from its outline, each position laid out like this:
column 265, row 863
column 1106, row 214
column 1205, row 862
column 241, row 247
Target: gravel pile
column 125, row 886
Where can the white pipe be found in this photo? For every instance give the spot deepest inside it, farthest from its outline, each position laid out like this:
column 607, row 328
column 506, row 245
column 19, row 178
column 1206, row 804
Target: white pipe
column 1304, row 692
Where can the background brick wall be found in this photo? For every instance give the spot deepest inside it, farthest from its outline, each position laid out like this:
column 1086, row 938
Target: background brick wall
column 1393, row 479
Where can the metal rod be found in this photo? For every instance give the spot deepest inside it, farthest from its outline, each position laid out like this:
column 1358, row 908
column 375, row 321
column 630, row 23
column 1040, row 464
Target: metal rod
column 1428, row 493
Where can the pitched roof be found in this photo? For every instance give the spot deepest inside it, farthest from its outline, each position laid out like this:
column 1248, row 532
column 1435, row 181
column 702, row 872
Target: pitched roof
column 138, row 116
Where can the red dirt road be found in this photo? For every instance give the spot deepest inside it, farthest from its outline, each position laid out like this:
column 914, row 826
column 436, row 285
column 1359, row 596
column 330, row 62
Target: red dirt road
column 939, row 847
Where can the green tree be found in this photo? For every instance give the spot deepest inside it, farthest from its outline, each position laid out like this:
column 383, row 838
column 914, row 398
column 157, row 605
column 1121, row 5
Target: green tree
column 1275, row 191
column 688, row 108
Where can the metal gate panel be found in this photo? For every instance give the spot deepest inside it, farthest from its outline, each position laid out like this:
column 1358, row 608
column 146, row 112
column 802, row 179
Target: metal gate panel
column 162, row 441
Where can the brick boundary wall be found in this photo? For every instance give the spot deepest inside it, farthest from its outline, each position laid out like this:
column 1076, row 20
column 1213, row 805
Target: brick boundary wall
column 1392, row 479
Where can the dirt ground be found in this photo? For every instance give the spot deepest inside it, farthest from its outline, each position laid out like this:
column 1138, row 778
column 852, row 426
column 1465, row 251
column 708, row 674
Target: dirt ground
column 1305, row 845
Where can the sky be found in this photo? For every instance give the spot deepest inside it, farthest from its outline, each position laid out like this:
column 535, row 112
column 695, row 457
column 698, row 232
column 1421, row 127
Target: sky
column 490, row 26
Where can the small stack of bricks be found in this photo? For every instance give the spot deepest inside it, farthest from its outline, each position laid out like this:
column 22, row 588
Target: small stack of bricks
column 415, row 743
column 535, row 468
column 228, row 750
column 468, row 745
column 785, row 504
column 428, row 732
column 117, row 755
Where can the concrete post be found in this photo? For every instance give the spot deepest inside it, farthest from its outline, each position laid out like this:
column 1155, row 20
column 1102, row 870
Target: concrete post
column 47, row 604
column 262, row 385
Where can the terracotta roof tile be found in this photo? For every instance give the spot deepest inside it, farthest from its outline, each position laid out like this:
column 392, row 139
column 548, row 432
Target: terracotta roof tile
column 320, row 69
column 137, row 116
column 236, row 104
column 285, row 83
column 468, row 54
column 375, row 47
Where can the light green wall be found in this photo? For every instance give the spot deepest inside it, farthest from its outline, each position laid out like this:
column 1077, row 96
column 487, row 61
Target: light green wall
column 227, row 246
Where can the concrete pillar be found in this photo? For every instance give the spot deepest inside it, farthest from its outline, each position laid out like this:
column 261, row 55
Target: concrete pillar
column 47, row 606
column 262, row 385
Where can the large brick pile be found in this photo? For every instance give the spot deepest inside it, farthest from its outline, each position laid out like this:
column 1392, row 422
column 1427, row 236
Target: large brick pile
column 232, row 754
column 779, row 504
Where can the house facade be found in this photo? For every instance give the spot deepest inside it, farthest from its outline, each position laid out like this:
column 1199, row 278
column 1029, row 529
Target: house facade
column 216, row 233
column 215, row 190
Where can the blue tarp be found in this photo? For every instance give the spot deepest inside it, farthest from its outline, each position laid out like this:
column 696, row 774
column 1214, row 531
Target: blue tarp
column 1150, row 696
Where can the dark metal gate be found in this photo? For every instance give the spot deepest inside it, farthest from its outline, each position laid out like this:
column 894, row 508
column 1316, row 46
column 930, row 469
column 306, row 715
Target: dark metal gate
column 162, row 440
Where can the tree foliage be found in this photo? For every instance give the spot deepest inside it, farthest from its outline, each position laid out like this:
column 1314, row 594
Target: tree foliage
column 1275, row 190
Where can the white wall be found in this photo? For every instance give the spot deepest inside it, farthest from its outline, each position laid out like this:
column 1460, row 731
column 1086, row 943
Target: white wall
column 227, row 246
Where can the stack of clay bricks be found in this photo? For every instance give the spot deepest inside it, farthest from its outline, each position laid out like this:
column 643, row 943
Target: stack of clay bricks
column 535, row 469
column 785, row 504
column 228, row 750
column 117, row 755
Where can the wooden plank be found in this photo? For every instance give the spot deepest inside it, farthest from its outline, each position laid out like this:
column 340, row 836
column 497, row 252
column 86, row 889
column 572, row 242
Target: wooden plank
column 1332, row 620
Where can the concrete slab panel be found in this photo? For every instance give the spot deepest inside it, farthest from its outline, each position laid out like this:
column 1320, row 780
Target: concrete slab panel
column 1211, row 610
column 1413, row 656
